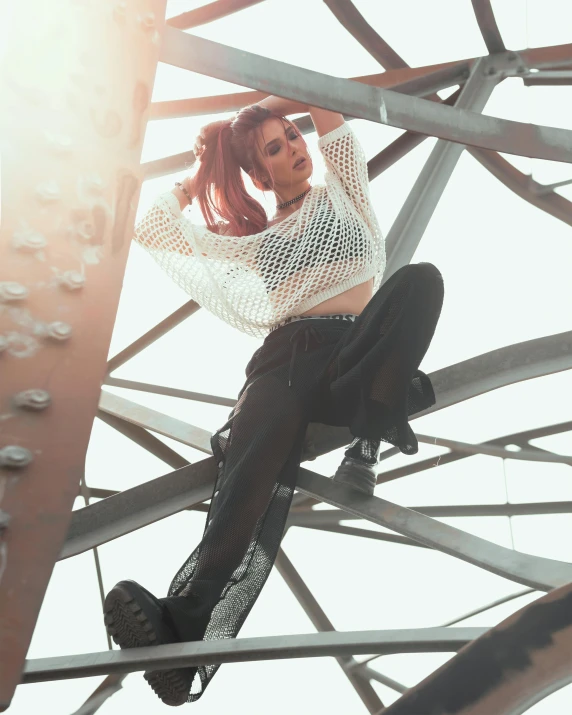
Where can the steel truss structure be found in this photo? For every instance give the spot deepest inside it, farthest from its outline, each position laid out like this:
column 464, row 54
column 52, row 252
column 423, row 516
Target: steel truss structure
column 64, row 244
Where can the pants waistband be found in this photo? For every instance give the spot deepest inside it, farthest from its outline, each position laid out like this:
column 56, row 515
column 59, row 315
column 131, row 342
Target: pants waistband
column 337, row 316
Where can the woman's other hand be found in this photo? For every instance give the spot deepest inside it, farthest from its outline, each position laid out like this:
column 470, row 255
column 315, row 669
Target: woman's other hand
column 206, row 133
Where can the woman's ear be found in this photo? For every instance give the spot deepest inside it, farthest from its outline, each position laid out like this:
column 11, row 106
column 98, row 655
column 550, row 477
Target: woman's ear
column 260, row 182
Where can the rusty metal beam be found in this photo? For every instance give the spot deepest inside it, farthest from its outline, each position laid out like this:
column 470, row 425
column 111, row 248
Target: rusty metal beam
column 507, row 670
column 355, row 23
column 209, row 13
column 523, row 185
column 488, row 26
column 64, row 241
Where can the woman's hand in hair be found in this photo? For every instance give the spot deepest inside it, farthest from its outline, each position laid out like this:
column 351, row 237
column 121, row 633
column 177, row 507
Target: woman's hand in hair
column 207, row 133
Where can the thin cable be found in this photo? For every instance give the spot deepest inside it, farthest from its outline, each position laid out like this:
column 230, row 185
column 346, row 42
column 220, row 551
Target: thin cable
column 528, row 100
column 507, row 502
column 85, row 494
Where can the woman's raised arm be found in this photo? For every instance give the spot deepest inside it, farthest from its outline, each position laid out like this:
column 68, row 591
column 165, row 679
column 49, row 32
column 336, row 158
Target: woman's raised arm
column 324, row 120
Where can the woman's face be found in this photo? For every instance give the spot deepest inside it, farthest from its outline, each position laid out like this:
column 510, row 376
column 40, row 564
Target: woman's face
column 282, row 155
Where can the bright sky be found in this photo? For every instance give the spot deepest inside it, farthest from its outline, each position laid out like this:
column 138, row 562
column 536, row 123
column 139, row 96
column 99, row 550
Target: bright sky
column 506, row 271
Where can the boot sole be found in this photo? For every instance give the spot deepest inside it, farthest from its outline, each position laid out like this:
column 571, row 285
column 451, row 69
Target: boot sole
column 356, row 476
column 128, row 625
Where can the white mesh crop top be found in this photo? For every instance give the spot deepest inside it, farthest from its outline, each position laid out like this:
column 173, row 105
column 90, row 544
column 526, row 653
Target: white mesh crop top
column 330, row 244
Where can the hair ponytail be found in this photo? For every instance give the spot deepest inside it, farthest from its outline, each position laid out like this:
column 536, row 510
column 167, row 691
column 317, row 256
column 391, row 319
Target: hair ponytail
column 219, row 183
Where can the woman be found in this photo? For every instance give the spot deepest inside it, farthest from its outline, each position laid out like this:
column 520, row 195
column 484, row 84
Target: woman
column 308, row 278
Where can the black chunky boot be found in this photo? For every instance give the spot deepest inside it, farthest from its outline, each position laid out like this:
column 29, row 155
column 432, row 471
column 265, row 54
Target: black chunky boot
column 135, row 618
column 357, row 469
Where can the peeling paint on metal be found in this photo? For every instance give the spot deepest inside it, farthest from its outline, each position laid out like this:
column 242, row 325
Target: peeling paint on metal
column 382, row 111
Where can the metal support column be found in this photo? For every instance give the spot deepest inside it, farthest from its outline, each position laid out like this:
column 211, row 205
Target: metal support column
column 76, row 82
column 411, row 222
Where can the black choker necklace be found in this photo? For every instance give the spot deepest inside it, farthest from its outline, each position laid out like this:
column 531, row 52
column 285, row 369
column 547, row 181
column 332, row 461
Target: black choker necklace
column 293, row 201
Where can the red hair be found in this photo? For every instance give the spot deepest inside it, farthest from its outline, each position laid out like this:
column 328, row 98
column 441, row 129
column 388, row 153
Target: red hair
column 219, row 183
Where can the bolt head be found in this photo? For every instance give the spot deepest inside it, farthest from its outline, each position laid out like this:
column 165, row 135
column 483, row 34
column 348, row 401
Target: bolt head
column 72, row 280
column 95, row 183
column 60, row 143
column 85, row 230
column 14, row 457
column 59, row 331
column 48, row 191
column 12, row 291
column 120, row 9
column 492, row 70
column 34, row 399
column 27, row 240
column 147, row 21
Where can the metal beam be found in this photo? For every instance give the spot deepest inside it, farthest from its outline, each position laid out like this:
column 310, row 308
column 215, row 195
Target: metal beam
column 111, row 685
column 169, row 391
column 155, row 421
column 524, row 185
column 536, row 57
column 214, row 104
column 331, row 517
column 134, row 508
column 64, row 241
column 322, row 623
column 419, row 86
column 538, row 573
column 401, row 146
column 355, row 23
column 411, row 222
column 152, row 335
column 467, row 379
column 488, row 26
column 507, row 670
column 240, row 650
column 454, row 384
column 336, row 528
column 209, row 13
column 168, row 495
column 144, row 439
column 557, row 78
column 525, row 455
column 519, row 438
column 379, row 105
column 489, row 606
column 470, row 614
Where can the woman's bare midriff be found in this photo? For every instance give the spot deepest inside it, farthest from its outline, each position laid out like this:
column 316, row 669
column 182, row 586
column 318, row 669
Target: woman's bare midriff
column 353, row 301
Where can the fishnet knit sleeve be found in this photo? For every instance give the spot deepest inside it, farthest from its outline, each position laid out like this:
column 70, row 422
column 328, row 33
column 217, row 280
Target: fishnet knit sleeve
column 165, row 228
column 218, row 271
column 346, row 169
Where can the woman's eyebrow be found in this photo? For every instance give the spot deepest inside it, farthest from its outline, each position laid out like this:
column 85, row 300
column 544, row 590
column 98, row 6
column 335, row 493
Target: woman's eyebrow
column 270, row 143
